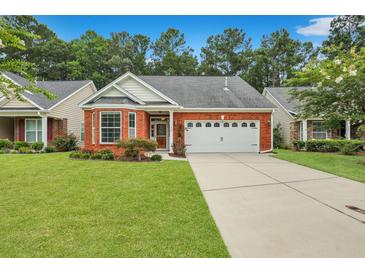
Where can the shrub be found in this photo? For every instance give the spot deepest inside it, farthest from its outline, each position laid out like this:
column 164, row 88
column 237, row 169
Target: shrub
column 156, row 157
column 331, row 145
column 298, row 145
column 277, row 136
column 66, row 143
column 133, row 147
column 347, row 149
column 19, row 144
column 84, row 156
column 75, row 155
column 37, row 146
column 106, row 155
column 96, row 156
column 24, row 150
column 6, row 144
column 179, row 148
column 49, row 149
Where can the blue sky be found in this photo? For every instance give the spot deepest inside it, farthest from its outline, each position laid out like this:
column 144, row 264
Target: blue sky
column 196, row 28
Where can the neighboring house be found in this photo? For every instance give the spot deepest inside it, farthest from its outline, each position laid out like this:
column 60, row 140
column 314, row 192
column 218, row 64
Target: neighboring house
column 207, row 113
column 294, row 128
column 36, row 118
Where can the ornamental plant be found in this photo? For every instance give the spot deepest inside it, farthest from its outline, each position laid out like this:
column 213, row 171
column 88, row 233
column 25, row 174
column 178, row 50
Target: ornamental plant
column 134, row 146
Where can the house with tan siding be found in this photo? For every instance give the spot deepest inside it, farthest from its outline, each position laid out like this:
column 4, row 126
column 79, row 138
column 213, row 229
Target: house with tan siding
column 37, row 118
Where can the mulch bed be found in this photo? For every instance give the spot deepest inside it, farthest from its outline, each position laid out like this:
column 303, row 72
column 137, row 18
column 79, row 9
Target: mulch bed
column 177, row 156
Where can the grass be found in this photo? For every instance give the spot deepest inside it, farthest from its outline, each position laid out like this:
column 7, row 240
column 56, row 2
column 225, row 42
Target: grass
column 52, row 206
column 351, row 167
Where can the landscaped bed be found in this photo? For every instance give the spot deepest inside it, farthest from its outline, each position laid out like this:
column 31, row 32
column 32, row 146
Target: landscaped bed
column 352, row 167
column 51, row 206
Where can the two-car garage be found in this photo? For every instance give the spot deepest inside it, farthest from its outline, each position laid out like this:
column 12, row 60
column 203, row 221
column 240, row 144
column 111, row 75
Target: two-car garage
column 222, row 136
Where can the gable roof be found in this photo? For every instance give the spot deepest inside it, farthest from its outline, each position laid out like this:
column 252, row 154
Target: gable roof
column 282, row 95
column 62, row 89
column 207, row 91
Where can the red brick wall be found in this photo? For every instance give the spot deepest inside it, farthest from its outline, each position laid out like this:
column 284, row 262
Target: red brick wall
column 142, row 123
column 264, row 118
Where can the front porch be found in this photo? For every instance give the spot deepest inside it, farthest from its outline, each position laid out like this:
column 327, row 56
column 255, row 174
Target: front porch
column 31, row 127
column 314, row 129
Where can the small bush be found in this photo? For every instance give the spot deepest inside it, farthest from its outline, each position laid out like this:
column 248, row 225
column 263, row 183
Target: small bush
column 37, row 146
column 66, row 143
column 156, row 157
column 24, row 150
column 6, row 144
column 134, row 146
column 75, row 155
column 19, row 144
column 50, row 149
column 106, row 155
column 277, row 136
column 298, row 145
column 347, row 149
column 96, row 156
column 179, row 148
column 84, row 156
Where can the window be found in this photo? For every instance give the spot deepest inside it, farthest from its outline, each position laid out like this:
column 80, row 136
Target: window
column 226, row 124
column 93, row 128
column 208, row 124
column 82, row 132
column 216, row 124
column 244, row 125
column 234, row 125
column 319, row 130
column 301, row 130
column 252, row 124
column 190, row 124
column 198, row 124
column 109, row 127
column 132, row 125
column 33, row 130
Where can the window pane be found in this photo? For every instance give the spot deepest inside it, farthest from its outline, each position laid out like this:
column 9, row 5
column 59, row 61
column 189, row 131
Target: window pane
column 216, row 124
column 208, row 125
column 132, row 120
column 244, row 124
column 39, row 124
column 39, row 136
column 226, row 124
column 30, row 136
column 132, row 133
column 30, row 124
column 234, row 125
column 252, row 125
column 190, row 124
column 110, row 127
column 198, row 125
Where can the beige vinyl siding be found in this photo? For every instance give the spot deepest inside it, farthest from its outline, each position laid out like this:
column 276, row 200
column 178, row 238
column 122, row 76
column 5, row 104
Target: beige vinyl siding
column 140, row 91
column 113, row 92
column 70, row 110
column 281, row 116
column 6, row 128
column 15, row 103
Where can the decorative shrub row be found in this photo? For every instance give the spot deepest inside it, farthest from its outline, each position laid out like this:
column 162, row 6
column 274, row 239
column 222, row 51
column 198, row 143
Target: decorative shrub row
column 6, row 146
column 106, row 155
column 330, row 145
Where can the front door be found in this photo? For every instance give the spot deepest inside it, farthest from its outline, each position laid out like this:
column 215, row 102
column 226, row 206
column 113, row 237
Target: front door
column 161, row 135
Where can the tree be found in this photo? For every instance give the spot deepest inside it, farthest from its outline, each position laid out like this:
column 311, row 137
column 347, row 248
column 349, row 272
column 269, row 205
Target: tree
column 228, row 53
column 10, row 38
column 339, row 87
column 347, row 31
column 171, row 56
column 277, row 59
column 89, row 60
column 129, row 53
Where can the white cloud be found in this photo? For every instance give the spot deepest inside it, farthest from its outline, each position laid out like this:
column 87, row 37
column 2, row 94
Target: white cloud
column 317, row 27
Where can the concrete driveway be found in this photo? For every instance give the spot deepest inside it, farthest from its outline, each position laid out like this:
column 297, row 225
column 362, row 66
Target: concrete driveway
column 265, row 207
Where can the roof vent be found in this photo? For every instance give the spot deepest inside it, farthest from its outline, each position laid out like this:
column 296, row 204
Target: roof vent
column 225, row 84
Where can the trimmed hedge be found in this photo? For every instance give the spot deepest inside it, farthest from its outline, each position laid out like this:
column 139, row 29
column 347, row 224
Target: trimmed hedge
column 6, row 144
column 19, row 144
column 329, row 145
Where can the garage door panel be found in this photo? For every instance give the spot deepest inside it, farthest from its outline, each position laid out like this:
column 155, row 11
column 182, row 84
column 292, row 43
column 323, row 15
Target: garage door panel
column 222, row 139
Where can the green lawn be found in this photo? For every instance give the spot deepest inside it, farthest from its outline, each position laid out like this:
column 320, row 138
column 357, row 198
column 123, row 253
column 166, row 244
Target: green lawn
column 341, row 165
column 52, row 206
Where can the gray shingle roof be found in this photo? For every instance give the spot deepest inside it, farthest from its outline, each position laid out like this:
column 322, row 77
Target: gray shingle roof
column 207, row 91
column 60, row 88
column 282, row 95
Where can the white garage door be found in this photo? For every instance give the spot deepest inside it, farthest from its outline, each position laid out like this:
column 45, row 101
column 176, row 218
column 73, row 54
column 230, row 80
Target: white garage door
column 222, row 136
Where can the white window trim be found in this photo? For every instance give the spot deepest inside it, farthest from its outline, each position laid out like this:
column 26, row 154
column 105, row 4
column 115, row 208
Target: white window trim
column 318, row 131
column 135, row 124
column 93, row 128
column 36, row 125
column 100, row 129
column 82, row 131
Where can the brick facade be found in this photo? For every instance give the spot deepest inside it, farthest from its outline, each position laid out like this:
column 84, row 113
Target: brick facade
column 295, row 131
column 143, row 125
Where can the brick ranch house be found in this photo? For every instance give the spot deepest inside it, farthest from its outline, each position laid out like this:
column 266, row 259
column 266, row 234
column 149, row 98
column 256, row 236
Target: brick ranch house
column 294, row 128
column 36, row 118
column 208, row 113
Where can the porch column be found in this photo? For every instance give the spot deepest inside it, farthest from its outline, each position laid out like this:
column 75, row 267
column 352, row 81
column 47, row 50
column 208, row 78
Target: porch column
column 44, row 130
column 305, row 131
column 171, row 130
column 348, row 130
